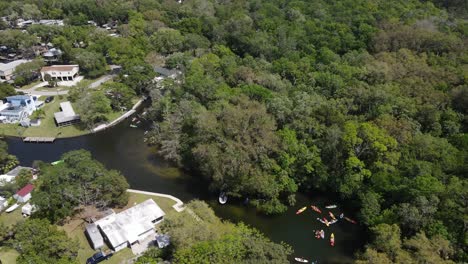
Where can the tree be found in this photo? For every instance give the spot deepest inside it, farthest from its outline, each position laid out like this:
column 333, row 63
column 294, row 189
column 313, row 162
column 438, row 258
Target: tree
column 27, row 72
column 83, row 182
column 7, row 161
column 6, row 90
column 93, row 108
column 93, row 64
column 39, row 242
column 167, row 40
column 24, row 177
column 120, row 95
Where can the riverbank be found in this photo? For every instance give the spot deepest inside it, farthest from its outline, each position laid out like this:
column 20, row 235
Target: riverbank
column 48, row 128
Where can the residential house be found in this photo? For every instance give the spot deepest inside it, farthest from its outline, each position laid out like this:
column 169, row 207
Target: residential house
column 7, row 69
column 24, row 194
column 11, row 175
column 129, row 226
column 19, row 107
column 52, row 55
column 60, row 72
column 67, row 116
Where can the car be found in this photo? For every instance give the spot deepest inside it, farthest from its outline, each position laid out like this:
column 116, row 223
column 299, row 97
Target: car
column 49, row 99
column 98, row 257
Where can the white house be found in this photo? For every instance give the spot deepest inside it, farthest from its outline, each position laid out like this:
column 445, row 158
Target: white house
column 11, row 175
column 130, row 226
column 18, row 107
column 67, row 116
column 60, row 72
column 24, row 194
column 7, row 69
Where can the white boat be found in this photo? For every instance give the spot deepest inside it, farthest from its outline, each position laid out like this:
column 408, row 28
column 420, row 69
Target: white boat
column 331, row 206
column 12, row 208
column 302, row 260
column 222, row 199
column 333, row 221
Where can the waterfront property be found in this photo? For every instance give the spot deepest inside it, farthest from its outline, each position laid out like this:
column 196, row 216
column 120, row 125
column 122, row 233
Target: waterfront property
column 19, row 107
column 60, row 72
column 24, row 194
column 7, row 69
column 128, row 227
column 11, row 175
column 67, row 116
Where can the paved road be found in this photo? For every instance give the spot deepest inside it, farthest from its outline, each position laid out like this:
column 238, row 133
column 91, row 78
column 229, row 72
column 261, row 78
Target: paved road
column 33, row 90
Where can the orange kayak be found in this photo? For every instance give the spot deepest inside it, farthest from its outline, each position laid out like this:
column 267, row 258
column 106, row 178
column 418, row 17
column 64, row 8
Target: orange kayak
column 350, row 220
column 301, row 210
column 331, row 215
column 316, row 209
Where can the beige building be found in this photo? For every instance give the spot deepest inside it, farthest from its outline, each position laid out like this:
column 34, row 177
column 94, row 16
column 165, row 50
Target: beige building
column 60, row 72
column 7, row 69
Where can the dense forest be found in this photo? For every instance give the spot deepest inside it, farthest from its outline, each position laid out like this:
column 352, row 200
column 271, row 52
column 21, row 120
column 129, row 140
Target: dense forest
column 364, row 99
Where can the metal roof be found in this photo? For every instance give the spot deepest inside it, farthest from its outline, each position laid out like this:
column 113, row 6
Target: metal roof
column 67, row 114
column 11, row 65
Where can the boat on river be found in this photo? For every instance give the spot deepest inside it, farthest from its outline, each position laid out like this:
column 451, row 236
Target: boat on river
column 133, row 126
column 350, row 220
column 333, row 221
column 316, row 209
column 301, row 210
column 302, row 260
column 332, row 240
column 332, row 215
column 12, row 208
column 331, row 206
column 222, row 199
column 56, row 162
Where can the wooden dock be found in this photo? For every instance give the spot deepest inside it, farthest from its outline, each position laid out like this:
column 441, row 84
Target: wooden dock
column 39, row 139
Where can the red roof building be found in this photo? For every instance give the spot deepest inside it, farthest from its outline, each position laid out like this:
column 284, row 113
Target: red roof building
column 25, row 190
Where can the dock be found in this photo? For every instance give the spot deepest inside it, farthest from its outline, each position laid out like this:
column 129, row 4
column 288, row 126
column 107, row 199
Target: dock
column 39, row 139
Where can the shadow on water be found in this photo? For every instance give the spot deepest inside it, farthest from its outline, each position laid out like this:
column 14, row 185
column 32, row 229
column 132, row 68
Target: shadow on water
column 122, row 148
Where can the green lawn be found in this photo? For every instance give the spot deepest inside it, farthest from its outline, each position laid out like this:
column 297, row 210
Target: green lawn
column 8, row 255
column 12, row 218
column 54, row 89
column 48, row 127
column 30, row 85
column 165, row 203
column 11, row 130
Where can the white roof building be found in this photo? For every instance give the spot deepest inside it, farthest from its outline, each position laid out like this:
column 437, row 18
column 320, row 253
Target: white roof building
column 67, row 116
column 130, row 226
column 7, row 69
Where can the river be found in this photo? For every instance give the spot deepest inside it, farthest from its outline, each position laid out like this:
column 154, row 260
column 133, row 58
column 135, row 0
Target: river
column 122, row 148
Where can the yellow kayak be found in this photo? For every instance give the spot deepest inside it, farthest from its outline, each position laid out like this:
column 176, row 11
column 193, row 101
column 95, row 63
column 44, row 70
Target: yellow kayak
column 301, row 210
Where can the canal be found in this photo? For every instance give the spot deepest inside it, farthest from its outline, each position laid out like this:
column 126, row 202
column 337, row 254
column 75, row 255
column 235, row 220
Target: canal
column 122, row 148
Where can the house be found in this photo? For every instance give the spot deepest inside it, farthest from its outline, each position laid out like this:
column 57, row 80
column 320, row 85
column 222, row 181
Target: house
column 11, row 175
column 94, row 236
column 24, row 194
column 7, row 69
column 28, row 209
column 52, row 55
column 19, row 107
column 130, row 226
column 67, row 116
column 60, row 72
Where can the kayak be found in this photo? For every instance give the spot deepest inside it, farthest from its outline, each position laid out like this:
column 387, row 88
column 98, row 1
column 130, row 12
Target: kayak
column 222, row 199
column 326, row 221
column 331, row 206
column 56, row 162
column 350, row 220
column 316, row 209
column 134, row 126
column 333, row 221
column 322, row 234
column 332, row 240
column 341, row 215
column 331, row 215
column 301, row 210
column 302, row 260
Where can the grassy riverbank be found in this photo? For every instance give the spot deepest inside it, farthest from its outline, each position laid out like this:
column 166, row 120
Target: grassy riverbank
column 48, row 127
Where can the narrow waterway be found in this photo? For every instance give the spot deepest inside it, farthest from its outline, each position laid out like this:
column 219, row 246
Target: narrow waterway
column 122, row 148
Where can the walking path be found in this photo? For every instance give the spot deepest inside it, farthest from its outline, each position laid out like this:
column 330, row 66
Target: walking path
column 179, row 206
column 119, row 119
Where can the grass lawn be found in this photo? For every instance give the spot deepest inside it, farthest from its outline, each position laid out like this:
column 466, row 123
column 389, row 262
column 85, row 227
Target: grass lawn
column 30, row 85
column 54, row 89
column 48, row 127
column 165, row 203
column 12, row 218
column 11, row 130
column 8, row 255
